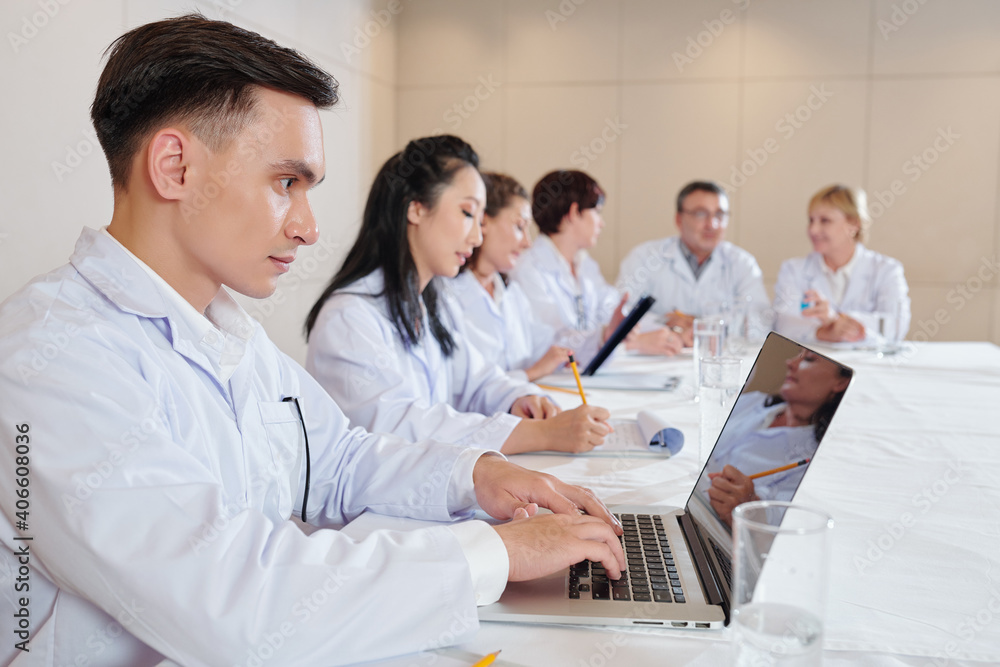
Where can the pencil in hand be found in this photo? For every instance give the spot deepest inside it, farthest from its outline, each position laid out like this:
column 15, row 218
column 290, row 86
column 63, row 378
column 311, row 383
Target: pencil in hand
column 576, row 374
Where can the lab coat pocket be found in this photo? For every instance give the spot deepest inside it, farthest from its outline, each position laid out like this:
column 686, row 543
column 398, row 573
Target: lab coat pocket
column 286, row 442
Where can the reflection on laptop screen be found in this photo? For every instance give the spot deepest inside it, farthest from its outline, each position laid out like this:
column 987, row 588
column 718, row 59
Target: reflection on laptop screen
column 772, row 433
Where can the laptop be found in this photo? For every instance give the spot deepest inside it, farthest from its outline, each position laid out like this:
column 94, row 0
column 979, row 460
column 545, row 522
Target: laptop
column 680, row 560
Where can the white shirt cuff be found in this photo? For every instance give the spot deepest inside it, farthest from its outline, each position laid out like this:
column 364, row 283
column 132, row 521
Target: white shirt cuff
column 461, row 492
column 487, row 558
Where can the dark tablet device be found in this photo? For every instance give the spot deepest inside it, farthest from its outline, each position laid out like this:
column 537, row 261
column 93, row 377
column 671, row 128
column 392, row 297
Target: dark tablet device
column 640, row 308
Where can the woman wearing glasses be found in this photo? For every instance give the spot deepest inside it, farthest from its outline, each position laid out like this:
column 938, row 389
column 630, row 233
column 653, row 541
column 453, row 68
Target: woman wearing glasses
column 696, row 272
column 835, row 293
column 563, row 283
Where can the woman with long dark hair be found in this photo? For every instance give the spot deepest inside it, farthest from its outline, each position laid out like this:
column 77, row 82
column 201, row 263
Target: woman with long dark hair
column 391, row 348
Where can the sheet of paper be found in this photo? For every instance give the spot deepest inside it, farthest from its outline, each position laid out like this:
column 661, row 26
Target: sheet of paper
column 620, row 381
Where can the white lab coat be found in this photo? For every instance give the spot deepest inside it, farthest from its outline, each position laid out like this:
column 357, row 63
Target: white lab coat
column 503, row 327
column 576, row 308
column 160, row 497
column 356, row 353
column 876, row 285
column 658, row 268
column 748, row 444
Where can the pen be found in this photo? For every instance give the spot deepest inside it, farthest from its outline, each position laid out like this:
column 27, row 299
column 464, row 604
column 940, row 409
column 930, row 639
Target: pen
column 576, row 374
column 487, row 659
column 781, row 469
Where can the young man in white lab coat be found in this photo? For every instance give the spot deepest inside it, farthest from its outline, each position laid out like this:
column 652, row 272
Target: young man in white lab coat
column 696, row 272
column 153, row 463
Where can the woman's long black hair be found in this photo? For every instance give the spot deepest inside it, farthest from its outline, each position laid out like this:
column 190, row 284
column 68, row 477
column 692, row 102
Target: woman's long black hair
column 824, row 413
column 420, row 172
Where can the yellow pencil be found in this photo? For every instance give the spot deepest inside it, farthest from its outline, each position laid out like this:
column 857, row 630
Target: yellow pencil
column 549, row 387
column 781, row 469
column 576, row 374
column 487, row 659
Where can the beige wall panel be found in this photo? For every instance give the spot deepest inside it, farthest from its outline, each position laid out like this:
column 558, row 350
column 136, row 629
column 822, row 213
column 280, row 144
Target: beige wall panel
column 56, row 179
column 676, row 39
column 936, row 142
column 920, row 37
column 378, row 132
column 359, row 34
column 797, row 138
column 562, row 41
column 473, row 112
column 676, row 133
column 564, row 127
column 450, row 42
column 807, row 37
column 943, row 313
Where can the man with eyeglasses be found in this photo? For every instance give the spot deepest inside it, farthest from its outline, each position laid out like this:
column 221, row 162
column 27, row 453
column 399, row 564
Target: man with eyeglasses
column 697, row 272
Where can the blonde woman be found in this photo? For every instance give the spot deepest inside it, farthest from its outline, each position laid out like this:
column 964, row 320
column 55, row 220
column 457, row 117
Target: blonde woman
column 835, row 293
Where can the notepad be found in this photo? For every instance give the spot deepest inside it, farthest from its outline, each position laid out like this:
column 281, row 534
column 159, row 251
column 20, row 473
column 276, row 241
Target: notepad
column 646, row 435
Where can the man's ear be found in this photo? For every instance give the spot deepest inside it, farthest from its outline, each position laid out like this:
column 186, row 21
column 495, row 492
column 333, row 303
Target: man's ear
column 677, row 219
column 167, row 162
column 415, row 212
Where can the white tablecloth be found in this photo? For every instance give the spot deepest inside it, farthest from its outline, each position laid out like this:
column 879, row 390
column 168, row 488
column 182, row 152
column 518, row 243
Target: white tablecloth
column 910, row 471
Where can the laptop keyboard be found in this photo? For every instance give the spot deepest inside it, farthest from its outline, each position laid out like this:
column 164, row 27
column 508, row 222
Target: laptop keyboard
column 724, row 563
column 652, row 574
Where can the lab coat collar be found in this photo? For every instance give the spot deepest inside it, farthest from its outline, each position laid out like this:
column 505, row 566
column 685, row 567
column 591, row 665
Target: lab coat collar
column 467, row 281
column 122, row 279
column 561, row 267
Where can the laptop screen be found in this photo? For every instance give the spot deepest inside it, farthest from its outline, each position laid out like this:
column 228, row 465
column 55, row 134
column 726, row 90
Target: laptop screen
column 772, row 433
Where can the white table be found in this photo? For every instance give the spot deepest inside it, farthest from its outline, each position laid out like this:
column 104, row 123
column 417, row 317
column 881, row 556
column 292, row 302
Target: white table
column 910, row 471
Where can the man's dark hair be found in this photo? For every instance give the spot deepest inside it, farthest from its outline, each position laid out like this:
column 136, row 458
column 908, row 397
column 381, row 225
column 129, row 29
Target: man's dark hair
column 556, row 192
column 700, row 186
column 420, row 172
column 197, row 71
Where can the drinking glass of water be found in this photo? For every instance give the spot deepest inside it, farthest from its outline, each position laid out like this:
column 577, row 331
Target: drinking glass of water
column 720, row 384
column 889, row 334
column 708, row 341
column 782, row 560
